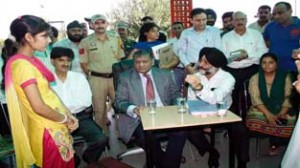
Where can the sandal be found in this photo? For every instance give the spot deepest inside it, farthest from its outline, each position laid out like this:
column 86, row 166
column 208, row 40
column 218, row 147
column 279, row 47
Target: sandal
column 273, row 151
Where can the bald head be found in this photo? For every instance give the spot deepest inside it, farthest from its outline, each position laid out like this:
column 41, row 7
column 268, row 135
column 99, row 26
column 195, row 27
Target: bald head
column 282, row 13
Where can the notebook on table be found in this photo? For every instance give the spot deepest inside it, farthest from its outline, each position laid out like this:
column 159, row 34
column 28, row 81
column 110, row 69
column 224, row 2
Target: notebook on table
column 199, row 107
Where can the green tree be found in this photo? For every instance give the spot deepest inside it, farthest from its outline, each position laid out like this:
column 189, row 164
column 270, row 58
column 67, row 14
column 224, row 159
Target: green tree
column 132, row 11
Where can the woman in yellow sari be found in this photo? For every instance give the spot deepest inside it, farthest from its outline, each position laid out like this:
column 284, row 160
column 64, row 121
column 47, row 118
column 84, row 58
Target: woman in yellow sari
column 41, row 124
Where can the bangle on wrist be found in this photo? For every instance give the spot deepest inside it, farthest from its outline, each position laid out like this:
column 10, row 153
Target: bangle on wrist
column 66, row 119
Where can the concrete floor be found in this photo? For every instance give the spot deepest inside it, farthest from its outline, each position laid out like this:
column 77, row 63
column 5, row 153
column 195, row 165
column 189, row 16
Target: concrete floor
column 193, row 160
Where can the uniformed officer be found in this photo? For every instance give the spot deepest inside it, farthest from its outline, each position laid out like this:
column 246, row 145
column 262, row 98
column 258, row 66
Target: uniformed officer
column 128, row 44
column 98, row 52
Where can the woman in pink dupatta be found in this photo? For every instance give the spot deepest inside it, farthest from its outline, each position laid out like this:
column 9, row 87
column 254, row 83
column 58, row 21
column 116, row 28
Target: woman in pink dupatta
column 41, row 124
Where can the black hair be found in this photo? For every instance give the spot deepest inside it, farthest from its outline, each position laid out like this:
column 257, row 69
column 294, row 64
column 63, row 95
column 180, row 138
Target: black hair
column 58, row 52
column 211, row 12
column 268, row 54
column 146, row 18
column 54, row 31
column 265, row 7
column 177, row 22
column 18, row 28
column 143, row 52
column 162, row 37
column 10, row 48
column 74, row 24
column 288, row 5
column 146, row 28
column 227, row 14
column 197, row 11
column 27, row 24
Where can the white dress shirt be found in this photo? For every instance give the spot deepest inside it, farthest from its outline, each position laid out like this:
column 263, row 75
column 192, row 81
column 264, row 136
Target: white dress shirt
column 191, row 42
column 75, row 91
column 257, row 27
column 252, row 41
column 144, row 83
column 215, row 90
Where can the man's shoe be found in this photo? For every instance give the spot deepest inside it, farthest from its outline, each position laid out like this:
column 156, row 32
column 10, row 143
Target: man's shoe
column 213, row 160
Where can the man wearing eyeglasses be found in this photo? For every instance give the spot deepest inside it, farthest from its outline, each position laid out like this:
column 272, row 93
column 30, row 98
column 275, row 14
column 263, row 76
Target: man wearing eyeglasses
column 264, row 17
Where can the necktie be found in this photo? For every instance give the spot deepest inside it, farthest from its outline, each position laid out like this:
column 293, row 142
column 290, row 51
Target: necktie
column 149, row 88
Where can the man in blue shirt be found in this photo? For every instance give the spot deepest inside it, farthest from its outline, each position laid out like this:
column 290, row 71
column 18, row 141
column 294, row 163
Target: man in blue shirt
column 193, row 39
column 283, row 35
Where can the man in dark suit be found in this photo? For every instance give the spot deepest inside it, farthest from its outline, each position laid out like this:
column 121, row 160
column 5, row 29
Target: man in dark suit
column 131, row 96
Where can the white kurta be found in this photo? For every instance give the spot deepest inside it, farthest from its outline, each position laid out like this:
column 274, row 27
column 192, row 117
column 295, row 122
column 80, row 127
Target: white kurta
column 217, row 89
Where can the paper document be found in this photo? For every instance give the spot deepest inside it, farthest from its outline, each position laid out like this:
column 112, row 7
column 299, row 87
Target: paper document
column 155, row 50
column 164, row 53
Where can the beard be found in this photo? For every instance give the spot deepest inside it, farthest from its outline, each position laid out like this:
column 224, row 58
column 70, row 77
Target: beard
column 263, row 18
column 209, row 71
column 229, row 27
column 75, row 38
column 210, row 23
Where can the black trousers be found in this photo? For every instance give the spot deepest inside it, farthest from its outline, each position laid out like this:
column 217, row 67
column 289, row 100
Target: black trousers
column 238, row 132
column 93, row 135
column 4, row 125
column 239, row 136
column 172, row 157
column 198, row 139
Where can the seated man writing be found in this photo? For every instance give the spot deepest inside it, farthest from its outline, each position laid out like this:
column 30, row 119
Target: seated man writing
column 74, row 91
column 137, row 86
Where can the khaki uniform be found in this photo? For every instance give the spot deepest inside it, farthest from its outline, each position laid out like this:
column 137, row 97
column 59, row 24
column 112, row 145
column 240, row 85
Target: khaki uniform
column 100, row 56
